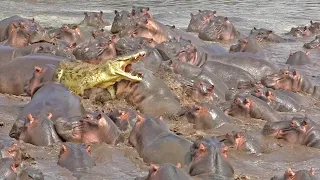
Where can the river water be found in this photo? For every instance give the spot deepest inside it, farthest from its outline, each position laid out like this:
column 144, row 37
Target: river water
column 276, row 15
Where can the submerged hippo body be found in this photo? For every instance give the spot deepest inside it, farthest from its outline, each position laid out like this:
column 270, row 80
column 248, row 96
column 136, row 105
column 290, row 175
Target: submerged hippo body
column 314, row 44
column 51, row 98
column 206, row 116
column 250, row 106
column 266, row 35
column 13, row 75
column 299, row 58
column 246, row 45
column 94, row 19
column 149, row 90
column 200, row 20
column 297, row 175
column 156, row 144
column 165, row 171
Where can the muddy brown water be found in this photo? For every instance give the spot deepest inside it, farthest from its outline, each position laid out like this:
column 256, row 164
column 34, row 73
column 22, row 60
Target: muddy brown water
column 122, row 161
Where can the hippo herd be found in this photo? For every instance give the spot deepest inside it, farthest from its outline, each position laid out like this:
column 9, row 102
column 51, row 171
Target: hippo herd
column 145, row 63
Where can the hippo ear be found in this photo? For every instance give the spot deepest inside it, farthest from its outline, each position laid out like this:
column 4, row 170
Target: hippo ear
column 116, row 12
column 14, row 167
column 179, row 165
column 290, row 173
column 191, row 15
column 85, row 13
column 311, row 22
column 211, row 88
column 199, row 10
column 202, row 147
column 38, row 69
column 153, row 168
column 247, row 101
column 305, row 28
column 64, row 148
column 74, row 26
column 73, row 45
column 99, row 116
column 133, row 12
column 304, row 123
column 173, row 26
column 312, row 171
column 30, row 118
column 161, row 118
column 254, row 28
column 146, row 21
column 189, row 41
column 148, row 9
column 150, row 40
column 307, row 53
column 50, row 116
column 269, row 32
column 113, row 37
column 101, row 13
column 251, row 32
column 88, row 149
column 32, row 20
column 139, row 118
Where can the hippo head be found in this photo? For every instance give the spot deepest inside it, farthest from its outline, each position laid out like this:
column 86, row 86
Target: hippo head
column 262, row 34
column 296, row 130
column 19, row 36
column 297, row 175
column 9, row 168
column 70, row 33
column 209, row 156
column 241, row 106
column 121, row 21
column 141, row 11
column 281, row 80
column 41, row 75
column 12, row 151
column 94, row 19
column 146, row 129
column 62, row 49
column 262, row 94
column 75, row 157
column 240, row 47
column 167, row 171
column 201, row 92
column 123, row 118
column 233, row 139
column 39, row 125
column 313, row 44
column 200, row 20
column 314, row 27
column 300, row 31
column 96, row 51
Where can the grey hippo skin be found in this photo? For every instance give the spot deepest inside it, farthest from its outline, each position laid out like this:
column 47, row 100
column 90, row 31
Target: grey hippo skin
column 246, row 45
column 94, row 19
column 156, row 144
column 299, row 58
column 51, row 98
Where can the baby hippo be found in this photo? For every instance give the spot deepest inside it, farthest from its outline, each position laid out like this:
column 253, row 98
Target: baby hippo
column 298, row 175
column 124, row 119
column 156, row 144
column 75, row 157
column 166, row 171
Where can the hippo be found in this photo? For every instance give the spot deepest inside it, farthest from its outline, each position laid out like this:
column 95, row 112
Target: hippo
column 219, row 29
column 266, row 35
column 196, row 74
column 36, row 126
column 240, row 141
column 69, row 129
column 60, row 49
column 123, row 20
column 291, row 80
column 144, row 93
column 302, row 131
column 141, row 11
column 209, row 160
column 314, row 44
column 179, row 33
column 297, row 175
column 98, row 128
column 123, row 118
column 200, row 20
column 246, row 45
column 19, row 36
column 94, row 19
column 13, row 75
column 128, row 44
column 73, row 33
column 156, row 144
column 277, row 99
column 10, row 23
column 252, row 107
column 314, row 27
column 206, row 116
column 300, row 31
column 51, row 98
column 9, row 148
column 201, row 92
column 165, row 171
column 102, row 34
column 75, row 157
column 95, row 51
column 299, row 58
column 8, row 169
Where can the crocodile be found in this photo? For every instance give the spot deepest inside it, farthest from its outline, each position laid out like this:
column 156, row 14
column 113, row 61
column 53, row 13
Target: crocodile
column 78, row 76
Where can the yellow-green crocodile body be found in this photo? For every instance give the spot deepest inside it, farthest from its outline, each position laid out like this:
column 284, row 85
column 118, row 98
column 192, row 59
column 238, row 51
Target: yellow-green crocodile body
column 79, row 76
